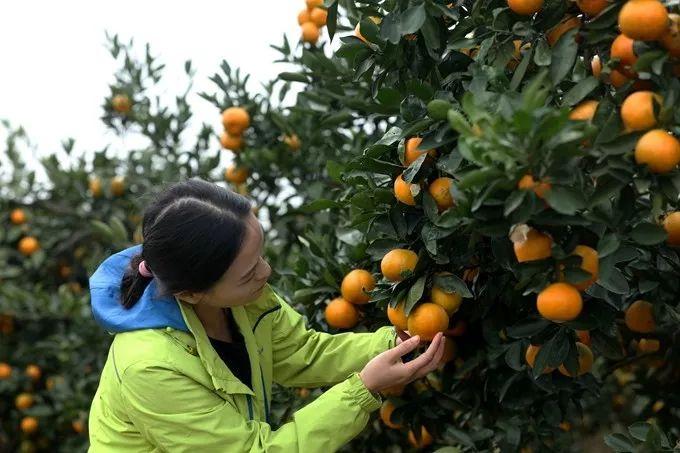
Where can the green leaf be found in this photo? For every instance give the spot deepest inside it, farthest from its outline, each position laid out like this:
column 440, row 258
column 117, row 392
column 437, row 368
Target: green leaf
column 527, row 328
column 542, row 56
column 579, row 91
column 648, row 234
column 607, row 245
column 332, row 19
column 514, row 201
column 552, row 353
column 451, row 283
column 293, row 77
column 319, row 205
column 413, row 19
column 415, row 294
column 564, row 56
column 619, row 443
column 103, row 229
column 565, row 200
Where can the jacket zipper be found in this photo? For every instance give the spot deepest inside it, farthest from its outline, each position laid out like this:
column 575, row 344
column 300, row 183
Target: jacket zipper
column 264, row 391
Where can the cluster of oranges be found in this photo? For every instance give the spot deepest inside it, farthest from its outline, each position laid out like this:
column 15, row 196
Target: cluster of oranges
column 116, row 186
column 27, row 245
column 121, row 103
column 311, row 20
column 235, row 121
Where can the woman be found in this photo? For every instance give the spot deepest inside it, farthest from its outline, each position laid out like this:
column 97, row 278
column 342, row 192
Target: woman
column 200, row 337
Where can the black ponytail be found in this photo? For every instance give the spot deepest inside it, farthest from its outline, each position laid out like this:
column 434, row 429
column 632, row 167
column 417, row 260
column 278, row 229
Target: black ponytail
column 193, row 231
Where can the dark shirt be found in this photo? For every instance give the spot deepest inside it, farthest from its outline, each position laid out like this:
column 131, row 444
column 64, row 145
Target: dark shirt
column 234, row 354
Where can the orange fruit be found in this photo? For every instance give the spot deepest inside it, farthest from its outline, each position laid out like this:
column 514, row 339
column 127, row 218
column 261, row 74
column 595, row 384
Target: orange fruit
column 671, row 223
column 95, row 186
column 319, row 16
column 622, row 48
column 29, row 425
column 5, row 370
column 34, row 372
column 585, row 361
column 671, row 38
column 658, row 406
column 424, row 441
column 303, row 16
column 404, row 191
column 397, row 316
column 530, row 244
column 530, row 357
column 426, row 320
column 448, row 301
column 590, row 263
column 311, row 4
column 357, row 29
column 458, row 329
column 292, row 141
column 527, row 182
column 355, row 285
column 617, row 78
column 559, row 302
column 310, row 32
column 341, row 314
column 28, row 245
column 565, row 426
column 583, row 336
column 637, row 110
column 121, row 103
column 644, row 20
column 6, row 325
column 232, row 142
column 236, row 175
column 23, row 401
column 592, row 7
column 659, row 150
column 449, row 351
column 386, row 413
column 17, row 216
column 566, row 24
column 639, row 317
column 648, row 345
column 395, row 390
column 78, row 426
column 412, row 153
column 65, row 271
column 117, row 186
column 397, row 261
column 517, row 53
column 235, row 120
column 596, row 66
column 439, row 189
column 525, row 7
column 584, row 111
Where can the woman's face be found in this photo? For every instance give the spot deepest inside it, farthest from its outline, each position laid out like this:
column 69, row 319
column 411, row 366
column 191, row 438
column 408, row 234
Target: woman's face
column 244, row 281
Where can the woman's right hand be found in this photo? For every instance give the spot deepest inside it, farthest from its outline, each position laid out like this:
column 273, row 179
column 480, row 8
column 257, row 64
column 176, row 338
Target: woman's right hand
column 386, row 370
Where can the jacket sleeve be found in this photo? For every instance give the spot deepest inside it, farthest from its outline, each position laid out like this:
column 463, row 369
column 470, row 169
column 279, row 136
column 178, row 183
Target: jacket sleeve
column 175, row 413
column 305, row 358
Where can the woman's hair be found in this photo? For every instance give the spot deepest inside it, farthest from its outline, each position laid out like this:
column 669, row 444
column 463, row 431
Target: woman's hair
column 192, row 232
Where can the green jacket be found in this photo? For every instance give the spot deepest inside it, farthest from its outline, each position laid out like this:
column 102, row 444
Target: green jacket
column 165, row 389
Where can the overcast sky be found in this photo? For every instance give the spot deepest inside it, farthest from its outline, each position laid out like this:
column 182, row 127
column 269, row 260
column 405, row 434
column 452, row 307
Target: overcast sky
column 56, row 69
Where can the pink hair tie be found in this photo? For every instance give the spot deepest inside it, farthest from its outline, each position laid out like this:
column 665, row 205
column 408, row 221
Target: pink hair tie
column 144, row 271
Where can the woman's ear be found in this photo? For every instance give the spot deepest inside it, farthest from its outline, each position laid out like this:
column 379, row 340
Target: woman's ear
column 188, row 297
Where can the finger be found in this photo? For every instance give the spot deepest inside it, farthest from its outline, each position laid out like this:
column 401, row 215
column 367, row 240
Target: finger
column 403, row 348
column 422, row 360
column 431, row 366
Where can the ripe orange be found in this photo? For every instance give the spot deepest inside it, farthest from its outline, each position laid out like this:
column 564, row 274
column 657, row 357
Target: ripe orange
column 78, row 426
column 310, row 32
column 617, row 78
column 17, row 216
column 397, row 261
column 426, row 320
column 530, row 244
column 397, row 316
column 357, row 29
column 527, row 182
column 644, row 20
column 319, row 16
column 671, row 39
column 648, row 345
column 29, row 425
column 236, row 175
column 386, row 415
column 448, row 301
column 95, row 186
column 411, row 153
column 449, row 351
column 585, row 361
column 23, row 401
column 355, row 285
column 659, row 150
column 530, row 357
column 590, row 263
column 34, row 372
column 292, row 141
column 671, row 223
column 596, row 66
column 117, row 186
column 592, row 7
column 311, row 4
column 341, row 314
column 424, row 441
column 28, row 245
column 303, row 16
column 5, row 370
column 405, row 192
column 559, row 302
column 121, row 103
column 583, row 336
column 235, row 120
column 566, row 24
column 637, row 111
column 622, row 48
column 525, row 7
column 6, row 324
column 439, row 189
column 639, row 317
column 232, row 142
column 565, row 426
column 584, row 111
